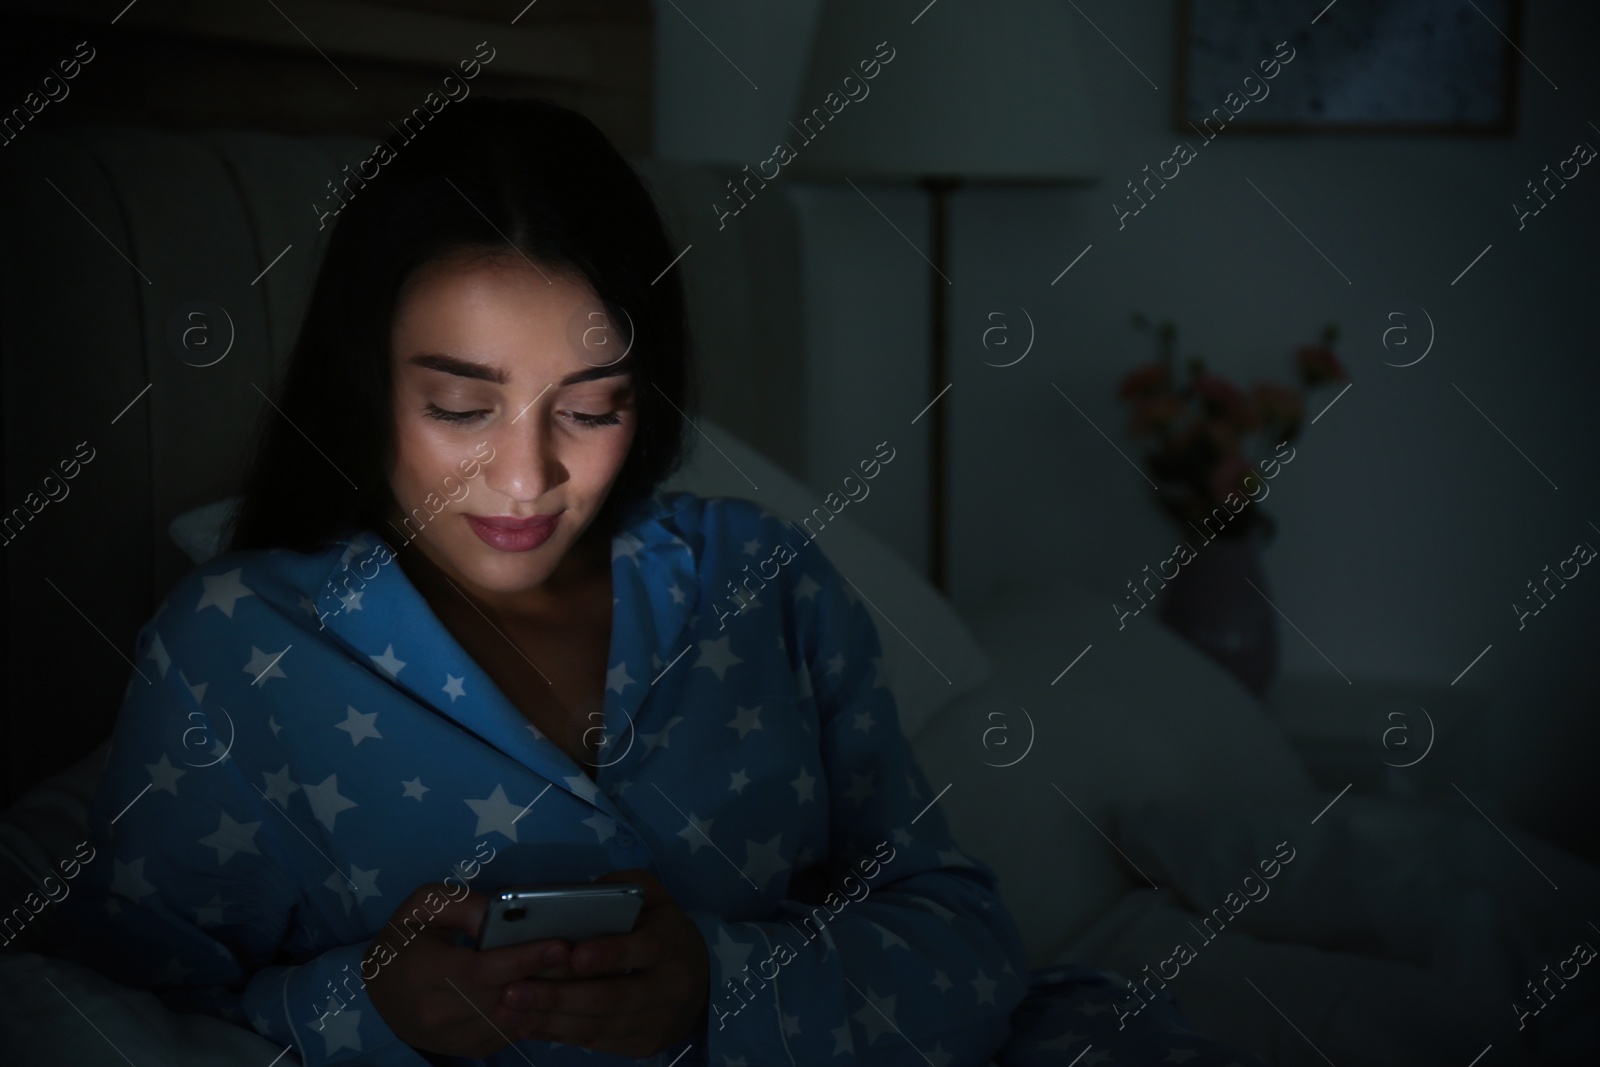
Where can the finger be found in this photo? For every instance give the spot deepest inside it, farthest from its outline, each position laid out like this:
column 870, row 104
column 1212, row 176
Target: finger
column 603, row 997
column 635, row 1036
column 476, row 1026
column 436, row 906
column 494, row 967
column 636, row 950
column 653, row 889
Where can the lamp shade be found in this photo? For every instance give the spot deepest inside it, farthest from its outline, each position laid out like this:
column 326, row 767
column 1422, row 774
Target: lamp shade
column 986, row 91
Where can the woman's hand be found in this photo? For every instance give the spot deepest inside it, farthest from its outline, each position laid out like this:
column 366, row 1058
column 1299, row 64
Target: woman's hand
column 630, row 994
column 439, row 996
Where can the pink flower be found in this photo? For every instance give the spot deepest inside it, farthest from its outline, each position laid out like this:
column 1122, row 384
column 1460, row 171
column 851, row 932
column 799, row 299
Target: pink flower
column 1155, row 414
column 1223, row 399
column 1229, row 476
column 1148, row 380
column 1318, row 365
column 1280, row 405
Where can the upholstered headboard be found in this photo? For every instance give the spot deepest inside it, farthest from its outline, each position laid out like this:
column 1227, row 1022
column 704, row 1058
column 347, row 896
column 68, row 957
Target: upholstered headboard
column 130, row 258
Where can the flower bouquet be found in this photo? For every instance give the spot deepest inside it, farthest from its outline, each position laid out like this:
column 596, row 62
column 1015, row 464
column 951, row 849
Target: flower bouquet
column 1193, row 432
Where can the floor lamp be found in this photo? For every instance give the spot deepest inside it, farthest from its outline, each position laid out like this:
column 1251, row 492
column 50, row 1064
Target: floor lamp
column 946, row 95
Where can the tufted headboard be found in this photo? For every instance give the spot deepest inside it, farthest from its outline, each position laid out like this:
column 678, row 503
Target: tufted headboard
column 129, row 259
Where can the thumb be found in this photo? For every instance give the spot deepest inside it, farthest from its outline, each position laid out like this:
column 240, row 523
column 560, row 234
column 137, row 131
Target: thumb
column 654, row 891
column 434, row 905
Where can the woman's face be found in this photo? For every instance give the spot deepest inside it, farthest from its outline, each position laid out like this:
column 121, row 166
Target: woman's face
column 510, row 402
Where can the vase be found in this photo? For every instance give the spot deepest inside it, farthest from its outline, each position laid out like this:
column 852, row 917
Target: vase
column 1210, row 602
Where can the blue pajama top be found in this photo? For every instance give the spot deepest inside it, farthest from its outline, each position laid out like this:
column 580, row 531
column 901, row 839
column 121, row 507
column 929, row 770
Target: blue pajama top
column 303, row 743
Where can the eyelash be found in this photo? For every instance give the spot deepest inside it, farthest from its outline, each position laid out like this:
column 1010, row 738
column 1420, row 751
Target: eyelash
column 462, row 417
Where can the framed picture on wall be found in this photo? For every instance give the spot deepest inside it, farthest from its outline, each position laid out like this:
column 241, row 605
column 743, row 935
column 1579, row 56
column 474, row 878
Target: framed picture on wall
column 1364, row 66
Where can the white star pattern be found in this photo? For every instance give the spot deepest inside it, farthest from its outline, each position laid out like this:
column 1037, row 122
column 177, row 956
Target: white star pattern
column 583, row 785
column 342, row 1031
column 326, row 801
column 1062, row 1043
column 222, row 590
column 744, row 720
column 842, row 1044
column 891, row 939
column 603, row 825
column 279, row 786
column 730, row 954
column 366, row 883
column 717, row 656
column 264, row 666
column 127, row 879
column 761, row 862
column 164, row 774
column 196, row 691
column 771, row 818
column 944, row 913
column 232, row 837
column 697, row 832
column 495, row 814
column 358, row 725
column 341, row 885
column 659, row 739
column 803, row 786
column 618, row 677
column 860, row 787
column 877, row 1015
column 391, row 664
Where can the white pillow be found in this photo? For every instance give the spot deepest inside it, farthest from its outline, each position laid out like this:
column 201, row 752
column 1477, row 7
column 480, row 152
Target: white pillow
column 1141, row 716
column 919, row 614
column 41, row 1026
column 1353, row 1009
column 1429, row 883
column 888, row 582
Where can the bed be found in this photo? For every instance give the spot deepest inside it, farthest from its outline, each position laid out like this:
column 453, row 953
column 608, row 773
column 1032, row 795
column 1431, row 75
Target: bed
column 1131, row 796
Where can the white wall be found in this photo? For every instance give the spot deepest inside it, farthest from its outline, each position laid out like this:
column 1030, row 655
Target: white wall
column 1408, row 524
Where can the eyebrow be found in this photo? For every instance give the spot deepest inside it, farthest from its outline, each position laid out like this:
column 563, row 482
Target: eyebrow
column 465, row 368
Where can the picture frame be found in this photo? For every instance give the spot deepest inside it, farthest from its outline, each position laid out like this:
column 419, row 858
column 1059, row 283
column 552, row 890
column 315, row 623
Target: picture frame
column 1355, row 66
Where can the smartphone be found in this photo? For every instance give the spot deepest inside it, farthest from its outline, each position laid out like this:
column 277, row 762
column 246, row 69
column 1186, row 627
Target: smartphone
column 575, row 911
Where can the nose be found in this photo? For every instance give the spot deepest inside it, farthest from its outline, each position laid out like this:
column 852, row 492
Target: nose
column 527, row 462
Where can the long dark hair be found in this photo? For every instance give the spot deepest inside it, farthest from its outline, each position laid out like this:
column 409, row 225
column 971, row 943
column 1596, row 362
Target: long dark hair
column 530, row 177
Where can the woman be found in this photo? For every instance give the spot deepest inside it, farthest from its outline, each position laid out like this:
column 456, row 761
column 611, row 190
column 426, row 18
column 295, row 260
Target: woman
column 461, row 641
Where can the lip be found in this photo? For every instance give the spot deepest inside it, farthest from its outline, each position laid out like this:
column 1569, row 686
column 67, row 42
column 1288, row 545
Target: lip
column 511, row 534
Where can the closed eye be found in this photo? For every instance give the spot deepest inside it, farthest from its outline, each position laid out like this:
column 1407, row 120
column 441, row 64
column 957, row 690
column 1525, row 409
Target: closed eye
column 433, row 411
column 609, row 419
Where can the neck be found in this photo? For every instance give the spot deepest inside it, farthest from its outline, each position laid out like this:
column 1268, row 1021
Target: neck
column 586, row 563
